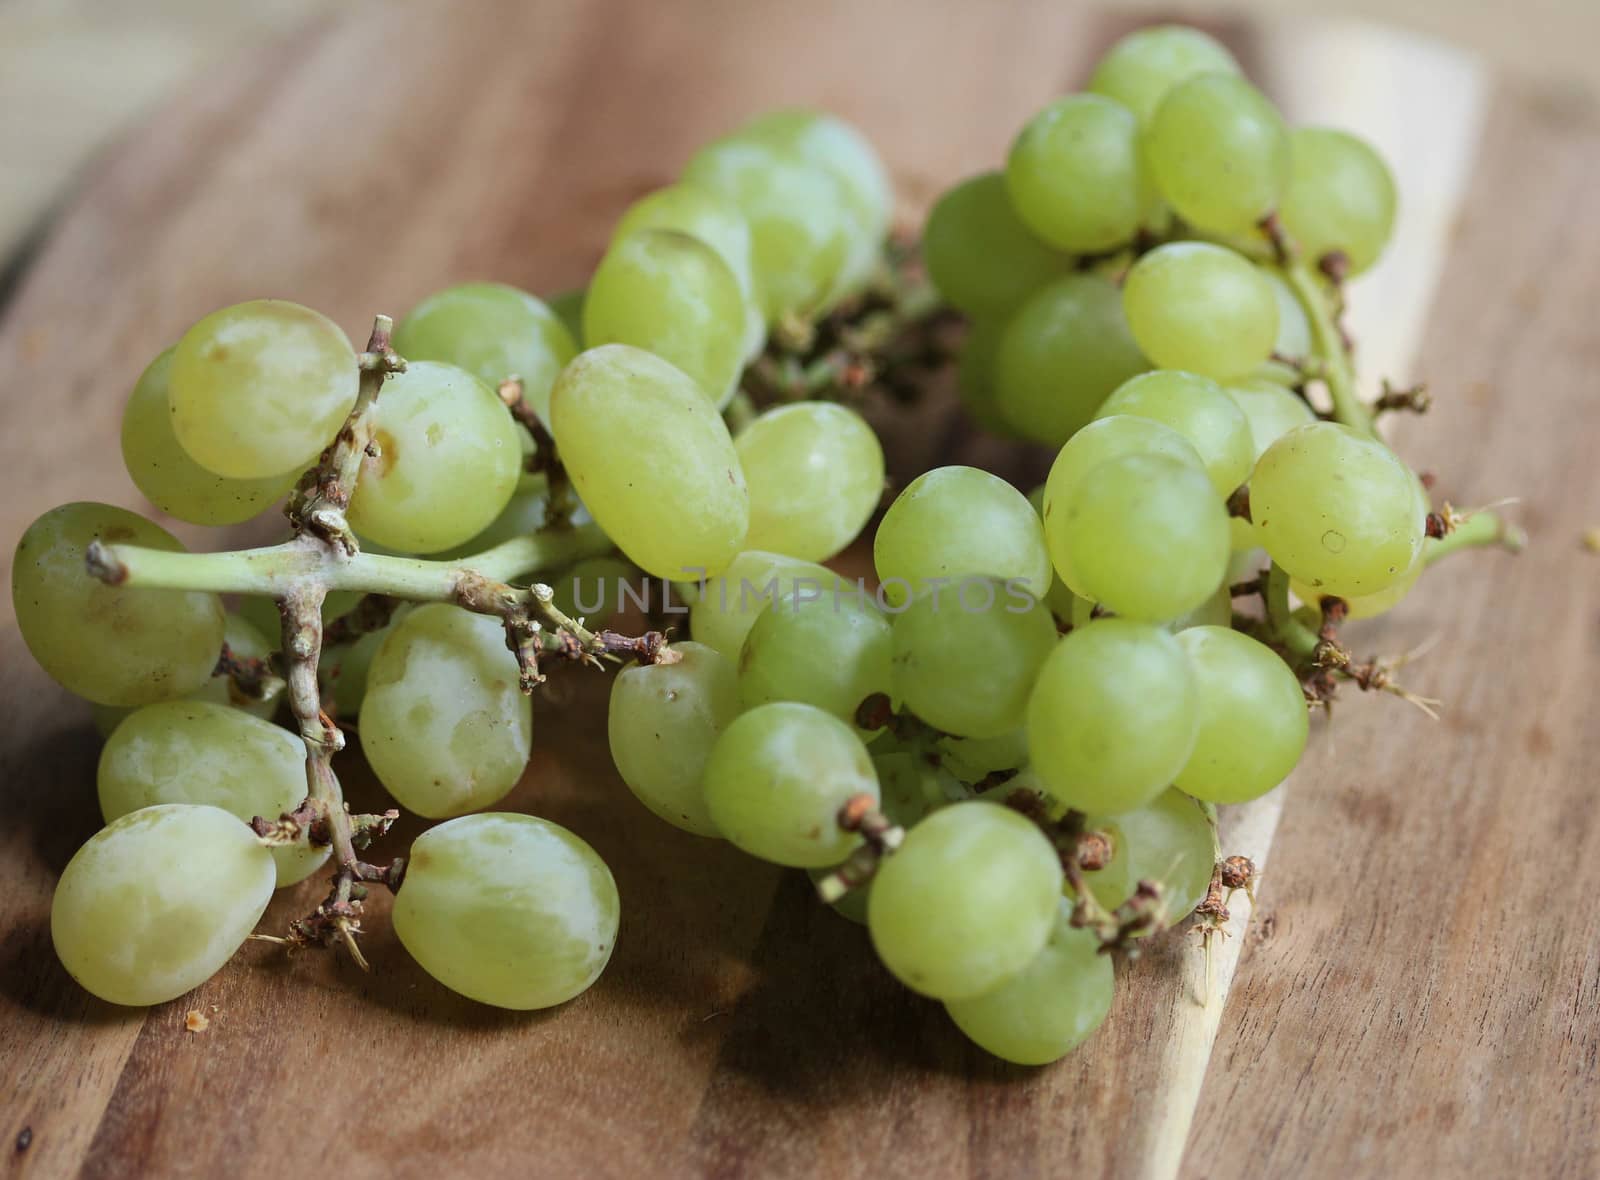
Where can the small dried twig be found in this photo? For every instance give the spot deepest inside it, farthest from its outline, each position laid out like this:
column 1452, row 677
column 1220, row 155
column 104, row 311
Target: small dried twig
column 880, row 837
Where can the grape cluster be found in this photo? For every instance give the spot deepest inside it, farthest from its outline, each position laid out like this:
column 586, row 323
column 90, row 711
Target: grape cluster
column 1003, row 757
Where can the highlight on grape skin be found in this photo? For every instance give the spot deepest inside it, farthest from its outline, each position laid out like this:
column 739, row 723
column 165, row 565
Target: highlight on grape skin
column 993, row 729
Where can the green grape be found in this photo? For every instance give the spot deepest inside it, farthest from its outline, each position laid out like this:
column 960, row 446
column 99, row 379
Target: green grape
column 525, row 513
column 113, row 645
column 156, row 902
column 1366, row 606
column 1294, row 329
column 853, row 905
column 1337, row 510
column 1202, row 308
column 509, row 910
column 664, row 719
column 343, row 670
column 975, row 377
column 568, row 308
column 593, row 589
column 671, row 294
column 652, row 460
column 1144, row 535
column 980, row 255
column 721, row 616
column 1074, row 174
column 1171, row 839
column 163, row 471
column 958, row 522
column 493, row 332
column 1062, row 354
column 447, row 461
column 1113, row 716
column 1048, row 1010
column 1063, row 603
column 972, row 759
column 1216, row 611
column 256, row 390
column 815, row 472
column 1140, row 68
column 1270, row 409
column 832, row 655
column 1341, row 197
column 967, row 902
column 244, row 640
column 1200, row 410
column 800, row 231
column 1219, row 152
column 1110, row 437
column 443, row 722
column 776, row 780
column 198, row 752
column 965, row 658
column 1253, row 717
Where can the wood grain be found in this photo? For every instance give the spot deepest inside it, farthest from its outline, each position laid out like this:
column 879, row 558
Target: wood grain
column 1421, row 996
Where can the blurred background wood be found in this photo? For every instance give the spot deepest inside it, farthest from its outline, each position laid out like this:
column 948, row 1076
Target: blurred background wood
column 1420, row 993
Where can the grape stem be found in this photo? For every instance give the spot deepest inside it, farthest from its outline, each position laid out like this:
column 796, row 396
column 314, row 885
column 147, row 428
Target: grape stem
column 1477, row 530
column 1332, row 354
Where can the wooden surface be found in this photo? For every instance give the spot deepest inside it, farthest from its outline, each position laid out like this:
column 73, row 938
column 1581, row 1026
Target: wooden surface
column 1420, row 992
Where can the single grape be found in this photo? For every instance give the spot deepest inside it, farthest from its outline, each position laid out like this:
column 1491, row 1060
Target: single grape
column 829, row 654
column 525, row 513
column 955, row 523
column 1171, row 839
column 1112, row 884
column 507, row 909
column 1270, row 409
column 1106, row 438
column 972, row 759
column 493, row 332
column 721, row 616
column 965, row 658
column 652, row 460
column 975, row 377
column 1294, row 330
column 1144, row 535
column 1062, row 354
column 443, row 723
column 1366, row 606
column 815, row 472
column 967, row 902
column 1049, row 1009
column 664, row 719
column 1201, row 307
column 1216, row 611
column 777, row 778
column 156, row 902
column 1337, row 510
column 980, row 255
column 447, row 461
column 1113, row 716
column 113, row 645
column 1341, row 197
column 1140, row 68
column 1200, row 410
column 1219, row 152
column 343, row 669
column 256, row 390
column 1074, row 174
column 198, row 752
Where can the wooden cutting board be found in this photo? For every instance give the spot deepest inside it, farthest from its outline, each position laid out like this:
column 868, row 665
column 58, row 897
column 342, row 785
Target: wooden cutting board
column 1418, row 992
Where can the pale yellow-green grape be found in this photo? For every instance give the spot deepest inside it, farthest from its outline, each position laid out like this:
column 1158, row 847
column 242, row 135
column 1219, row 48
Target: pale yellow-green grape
column 1216, row 611
column 1270, row 409
column 595, row 589
column 980, row 255
column 507, row 909
column 1171, row 839
column 671, row 294
column 1104, row 439
column 971, row 759
column 967, row 902
column 1063, row 602
column 443, row 722
column 155, row 903
column 1219, row 152
column 800, row 231
column 568, row 308
column 494, row 332
column 525, row 513
column 1062, row 354
column 815, row 472
column 1048, row 1010
column 1365, row 606
column 1341, row 197
column 663, row 721
column 343, row 669
column 1294, row 331
column 776, row 780
column 113, row 645
column 1144, row 535
column 833, row 655
column 652, row 460
column 1113, row 716
column 197, row 752
column 165, row 473
column 1074, row 174
column 955, row 523
column 1140, row 68
column 1201, row 307
column 1200, row 410
column 1338, row 510
column 1253, row 717
column 965, row 657
column 975, row 376
column 721, row 616
column 256, row 390
column 447, row 461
